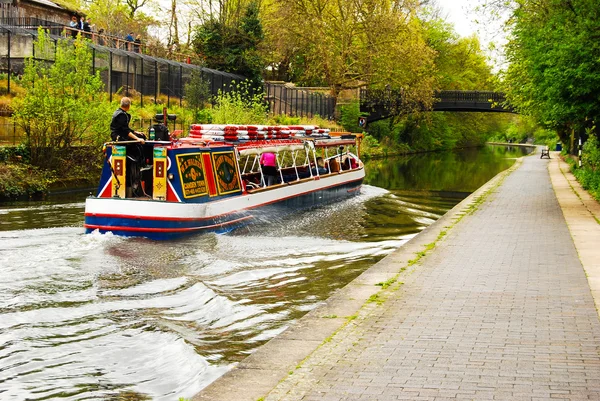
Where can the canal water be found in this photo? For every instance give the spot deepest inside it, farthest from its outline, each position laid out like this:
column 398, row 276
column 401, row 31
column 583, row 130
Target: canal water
column 102, row 317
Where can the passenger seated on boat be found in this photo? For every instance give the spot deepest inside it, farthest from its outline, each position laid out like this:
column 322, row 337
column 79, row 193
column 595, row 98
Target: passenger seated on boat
column 345, row 165
column 268, row 164
column 320, row 167
column 334, row 166
column 349, row 163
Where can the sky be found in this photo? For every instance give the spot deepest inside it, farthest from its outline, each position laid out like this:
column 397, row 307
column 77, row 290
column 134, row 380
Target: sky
column 457, row 12
column 461, row 13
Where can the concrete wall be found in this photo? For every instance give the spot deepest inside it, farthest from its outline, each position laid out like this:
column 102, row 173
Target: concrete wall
column 21, row 46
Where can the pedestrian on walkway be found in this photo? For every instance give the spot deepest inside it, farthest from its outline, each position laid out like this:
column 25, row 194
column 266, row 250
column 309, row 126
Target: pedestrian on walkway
column 73, row 26
column 129, row 40
column 137, row 44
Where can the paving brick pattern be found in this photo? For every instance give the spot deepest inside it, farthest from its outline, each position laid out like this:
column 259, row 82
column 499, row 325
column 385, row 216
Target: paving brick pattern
column 501, row 310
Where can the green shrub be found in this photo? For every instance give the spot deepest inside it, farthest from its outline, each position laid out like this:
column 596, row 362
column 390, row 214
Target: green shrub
column 370, row 147
column 283, row 119
column 240, row 107
column 204, row 116
column 349, row 114
column 588, row 174
column 63, row 103
column 590, row 154
column 18, row 180
column 197, row 93
column 14, row 153
column 589, row 180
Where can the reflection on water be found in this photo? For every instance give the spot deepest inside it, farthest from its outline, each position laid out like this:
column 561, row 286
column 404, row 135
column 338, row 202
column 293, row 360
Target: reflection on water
column 462, row 171
column 99, row 316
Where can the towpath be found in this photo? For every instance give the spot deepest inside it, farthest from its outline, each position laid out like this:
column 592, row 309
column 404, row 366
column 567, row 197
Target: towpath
column 493, row 301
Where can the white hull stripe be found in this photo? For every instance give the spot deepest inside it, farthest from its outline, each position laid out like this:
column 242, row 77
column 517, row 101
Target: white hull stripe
column 160, row 210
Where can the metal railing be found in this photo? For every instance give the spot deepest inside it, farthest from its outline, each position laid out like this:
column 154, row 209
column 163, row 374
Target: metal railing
column 29, row 22
column 471, row 96
column 384, row 103
column 100, row 38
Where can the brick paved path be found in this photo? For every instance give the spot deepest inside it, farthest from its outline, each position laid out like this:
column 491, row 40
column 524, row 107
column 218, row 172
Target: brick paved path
column 500, row 310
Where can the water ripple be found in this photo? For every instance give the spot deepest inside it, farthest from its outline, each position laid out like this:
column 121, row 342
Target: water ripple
column 99, row 317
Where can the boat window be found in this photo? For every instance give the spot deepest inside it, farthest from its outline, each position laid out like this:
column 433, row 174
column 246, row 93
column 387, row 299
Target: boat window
column 251, row 171
column 294, row 162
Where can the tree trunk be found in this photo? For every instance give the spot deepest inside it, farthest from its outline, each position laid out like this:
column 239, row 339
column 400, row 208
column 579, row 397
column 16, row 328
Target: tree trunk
column 174, row 26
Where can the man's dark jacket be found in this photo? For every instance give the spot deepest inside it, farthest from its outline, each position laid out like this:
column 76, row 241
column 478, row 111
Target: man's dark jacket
column 119, row 125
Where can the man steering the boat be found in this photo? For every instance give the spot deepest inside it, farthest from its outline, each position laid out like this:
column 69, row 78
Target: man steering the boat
column 119, row 125
column 121, row 132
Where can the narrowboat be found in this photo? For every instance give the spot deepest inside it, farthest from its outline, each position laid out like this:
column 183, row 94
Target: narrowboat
column 213, row 180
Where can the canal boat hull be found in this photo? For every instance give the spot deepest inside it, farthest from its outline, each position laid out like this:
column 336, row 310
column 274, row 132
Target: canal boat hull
column 197, row 185
column 168, row 220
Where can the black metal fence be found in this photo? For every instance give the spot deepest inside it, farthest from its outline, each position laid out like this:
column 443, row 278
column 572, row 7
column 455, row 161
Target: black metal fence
column 298, row 102
column 148, row 79
column 121, row 70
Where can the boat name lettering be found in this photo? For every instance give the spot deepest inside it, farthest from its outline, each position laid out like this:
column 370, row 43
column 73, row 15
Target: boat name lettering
column 226, row 172
column 191, row 172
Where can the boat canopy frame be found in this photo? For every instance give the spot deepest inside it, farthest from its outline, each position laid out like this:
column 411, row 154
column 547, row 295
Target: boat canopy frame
column 294, row 156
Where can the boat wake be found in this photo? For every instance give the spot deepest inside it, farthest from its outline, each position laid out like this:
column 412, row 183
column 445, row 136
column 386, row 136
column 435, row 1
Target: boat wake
column 106, row 316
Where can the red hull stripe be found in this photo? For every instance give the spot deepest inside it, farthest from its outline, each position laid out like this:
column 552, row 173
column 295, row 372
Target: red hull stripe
column 158, row 218
column 154, row 229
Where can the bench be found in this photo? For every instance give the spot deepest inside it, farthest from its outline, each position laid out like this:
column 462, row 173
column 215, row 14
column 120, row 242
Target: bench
column 545, row 153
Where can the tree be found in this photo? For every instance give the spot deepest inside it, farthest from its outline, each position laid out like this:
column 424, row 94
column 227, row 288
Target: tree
column 554, row 71
column 460, row 63
column 232, row 48
column 197, row 92
column 64, row 102
column 173, row 27
column 345, row 44
column 110, row 15
column 117, row 18
column 135, row 5
column 227, row 12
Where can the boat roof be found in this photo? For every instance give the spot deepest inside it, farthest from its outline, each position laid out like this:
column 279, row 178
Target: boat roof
column 268, row 145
